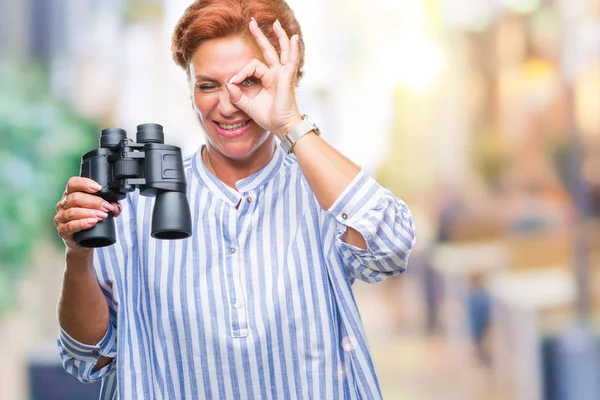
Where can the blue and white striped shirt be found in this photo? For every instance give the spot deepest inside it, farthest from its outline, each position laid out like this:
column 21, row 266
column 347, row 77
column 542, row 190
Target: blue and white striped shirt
column 257, row 304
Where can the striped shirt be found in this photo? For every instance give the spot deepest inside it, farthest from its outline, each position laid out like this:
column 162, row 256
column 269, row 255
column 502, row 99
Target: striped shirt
column 256, row 304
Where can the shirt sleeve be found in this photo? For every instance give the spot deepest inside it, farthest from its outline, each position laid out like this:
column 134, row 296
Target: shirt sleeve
column 79, row 359
column 385, row 222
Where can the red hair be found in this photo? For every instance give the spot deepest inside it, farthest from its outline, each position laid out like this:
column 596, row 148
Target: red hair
column 209, row 19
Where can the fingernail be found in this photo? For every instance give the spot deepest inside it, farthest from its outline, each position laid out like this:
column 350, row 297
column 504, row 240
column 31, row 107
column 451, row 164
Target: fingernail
column 95, row 186
column 101, row 214
column 277, row 23
column 92, row 221
column 120, row 207
column 232, row 79
column 108, row 206
column 254, row 20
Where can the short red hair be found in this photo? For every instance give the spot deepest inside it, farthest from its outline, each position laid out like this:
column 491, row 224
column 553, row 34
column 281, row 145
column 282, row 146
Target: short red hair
column 210, row 19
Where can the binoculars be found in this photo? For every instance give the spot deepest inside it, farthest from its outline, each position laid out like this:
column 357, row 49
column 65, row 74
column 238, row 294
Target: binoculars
column 121, row 166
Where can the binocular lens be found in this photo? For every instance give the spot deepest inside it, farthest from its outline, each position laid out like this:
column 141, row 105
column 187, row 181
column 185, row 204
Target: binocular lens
column 150, row 133
column 171, row 218
column 111, row 138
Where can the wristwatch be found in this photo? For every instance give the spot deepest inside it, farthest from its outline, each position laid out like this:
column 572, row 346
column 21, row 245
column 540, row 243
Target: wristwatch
column 307, row 125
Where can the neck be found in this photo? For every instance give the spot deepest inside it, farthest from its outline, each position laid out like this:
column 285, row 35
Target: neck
column 230, row 171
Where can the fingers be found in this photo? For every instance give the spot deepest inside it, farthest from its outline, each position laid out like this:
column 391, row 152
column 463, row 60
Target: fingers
column 269, row 52
column 73, row 214
column 238, row 98
column 83, row 200
column 80, row 184
column 80, row 208
column 295, row 52
column 117, row 209
column 254, row 68
column 290, row 48
column 284, row 42
column 80, row 213
column 66, row 231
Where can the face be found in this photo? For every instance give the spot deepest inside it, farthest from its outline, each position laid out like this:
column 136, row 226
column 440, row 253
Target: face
column 229, row 130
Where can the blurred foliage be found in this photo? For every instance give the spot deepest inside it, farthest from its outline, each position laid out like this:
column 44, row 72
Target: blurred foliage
column 43, row 139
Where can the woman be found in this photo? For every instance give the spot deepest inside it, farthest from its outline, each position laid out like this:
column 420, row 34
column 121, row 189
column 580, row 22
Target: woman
column 257, row 304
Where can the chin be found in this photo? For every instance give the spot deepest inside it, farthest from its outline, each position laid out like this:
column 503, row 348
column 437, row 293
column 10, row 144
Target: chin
column 237, row 153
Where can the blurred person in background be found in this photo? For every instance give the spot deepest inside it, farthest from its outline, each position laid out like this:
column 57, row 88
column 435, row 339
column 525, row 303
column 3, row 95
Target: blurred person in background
column 258, row 302
column 479, row 311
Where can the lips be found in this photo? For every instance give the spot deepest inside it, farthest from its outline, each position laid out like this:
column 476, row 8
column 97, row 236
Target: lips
column 232, row 129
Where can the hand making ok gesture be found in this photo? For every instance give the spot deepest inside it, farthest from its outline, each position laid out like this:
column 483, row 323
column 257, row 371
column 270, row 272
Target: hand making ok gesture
column 274, row 107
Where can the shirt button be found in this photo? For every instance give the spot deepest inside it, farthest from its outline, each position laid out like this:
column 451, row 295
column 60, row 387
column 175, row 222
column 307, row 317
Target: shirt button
column 232, row 250
column 344, row 216
column 96, row 352
column 249, row 199
column 237, row 304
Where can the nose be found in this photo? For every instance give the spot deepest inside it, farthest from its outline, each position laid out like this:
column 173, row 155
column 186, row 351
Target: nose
column 226, row 107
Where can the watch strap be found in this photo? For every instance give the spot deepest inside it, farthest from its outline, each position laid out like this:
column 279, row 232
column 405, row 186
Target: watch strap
column 305, row 126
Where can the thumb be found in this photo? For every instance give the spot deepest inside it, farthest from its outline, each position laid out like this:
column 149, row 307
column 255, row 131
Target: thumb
column 238, row 97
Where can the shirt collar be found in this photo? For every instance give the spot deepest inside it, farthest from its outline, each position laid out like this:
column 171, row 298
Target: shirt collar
column 254, row 181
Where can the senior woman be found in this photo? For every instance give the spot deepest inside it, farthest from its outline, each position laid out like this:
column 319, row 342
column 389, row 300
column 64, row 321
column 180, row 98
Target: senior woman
column 258, row 303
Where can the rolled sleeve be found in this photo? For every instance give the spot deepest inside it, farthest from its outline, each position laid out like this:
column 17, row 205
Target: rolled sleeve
column 384, row 221
column 80, row 359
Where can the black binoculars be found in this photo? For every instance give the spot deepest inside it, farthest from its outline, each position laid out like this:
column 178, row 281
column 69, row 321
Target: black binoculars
column 121, row 166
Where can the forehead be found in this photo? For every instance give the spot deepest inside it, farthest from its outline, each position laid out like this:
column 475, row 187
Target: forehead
column 221, row 58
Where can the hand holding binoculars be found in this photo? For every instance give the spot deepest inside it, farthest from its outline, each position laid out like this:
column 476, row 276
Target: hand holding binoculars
column 121, row 166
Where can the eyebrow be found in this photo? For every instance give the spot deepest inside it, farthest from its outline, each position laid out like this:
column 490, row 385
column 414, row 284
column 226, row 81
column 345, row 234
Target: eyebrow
column 201, row 77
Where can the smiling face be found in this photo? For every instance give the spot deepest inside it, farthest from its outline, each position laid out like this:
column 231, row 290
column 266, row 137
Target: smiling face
column 229, row 130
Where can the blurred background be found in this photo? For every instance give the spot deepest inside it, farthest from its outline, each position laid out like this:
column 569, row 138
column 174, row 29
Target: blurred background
column 483, row 115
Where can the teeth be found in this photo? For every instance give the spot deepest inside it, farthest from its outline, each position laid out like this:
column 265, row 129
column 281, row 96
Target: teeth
column 232, row 127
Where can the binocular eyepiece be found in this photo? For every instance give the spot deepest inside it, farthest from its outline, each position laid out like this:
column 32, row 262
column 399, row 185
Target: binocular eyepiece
column 121, row 166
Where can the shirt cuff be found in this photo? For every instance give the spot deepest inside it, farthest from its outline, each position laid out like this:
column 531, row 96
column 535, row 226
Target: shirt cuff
column 89, row 353
column 360, row 197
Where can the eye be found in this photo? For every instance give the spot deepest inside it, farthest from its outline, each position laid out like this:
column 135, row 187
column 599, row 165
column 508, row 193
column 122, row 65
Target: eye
column 206, row 87
column 251, row 81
